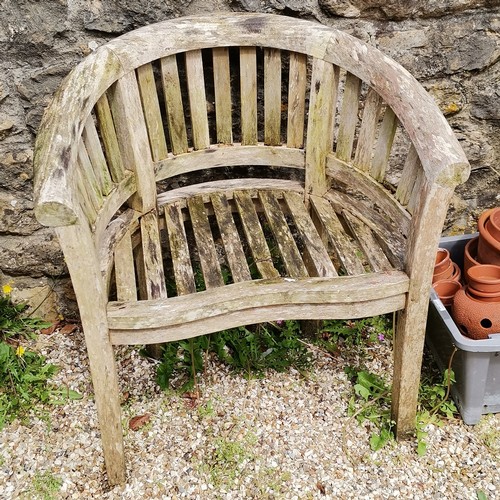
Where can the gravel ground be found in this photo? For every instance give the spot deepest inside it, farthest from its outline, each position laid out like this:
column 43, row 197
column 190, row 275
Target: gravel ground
column 284, row 436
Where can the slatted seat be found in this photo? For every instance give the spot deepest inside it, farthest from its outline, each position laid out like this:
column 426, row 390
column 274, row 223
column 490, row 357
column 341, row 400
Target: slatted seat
column 204, row 174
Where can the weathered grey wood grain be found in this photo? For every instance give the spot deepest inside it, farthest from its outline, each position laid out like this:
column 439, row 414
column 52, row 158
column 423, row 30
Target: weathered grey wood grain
column 363, row 183
column 348, row 117
column 369, row 243
column 345, row 248
column 124, row 270
column 229, row 233
column 272, row 97
column 296, row 100
column 408, row 177
column 322, row 102
column 92, row 301
column 384, row 145
column 152, row 113
column 152, row 254
column 96, row 155
column 287, row 247
column 317, row 256
column 222, row 156
column 197, row 99
column 248, row 89
column 255, row 235
column 133, row 139
column 110, row 141
column 179, row 250
column 173, row 103
column 222, row 90
column 366, row 137
column 207, row 252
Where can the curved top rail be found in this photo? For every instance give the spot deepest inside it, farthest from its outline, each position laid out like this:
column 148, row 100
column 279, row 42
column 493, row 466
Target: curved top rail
column 441, row 155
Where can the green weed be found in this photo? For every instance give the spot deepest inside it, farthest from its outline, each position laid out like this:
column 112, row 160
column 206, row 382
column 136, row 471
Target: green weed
column 44, row 486
column 24, row 374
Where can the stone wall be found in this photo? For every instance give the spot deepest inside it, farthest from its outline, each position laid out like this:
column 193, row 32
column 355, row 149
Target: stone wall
column 451, row 46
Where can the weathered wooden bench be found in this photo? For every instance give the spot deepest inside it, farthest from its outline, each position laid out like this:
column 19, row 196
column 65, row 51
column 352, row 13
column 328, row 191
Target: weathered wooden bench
column 255, row 154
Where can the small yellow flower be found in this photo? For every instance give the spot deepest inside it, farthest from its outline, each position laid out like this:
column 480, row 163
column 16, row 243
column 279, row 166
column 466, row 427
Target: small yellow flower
column 20, row 351
column 6, row 289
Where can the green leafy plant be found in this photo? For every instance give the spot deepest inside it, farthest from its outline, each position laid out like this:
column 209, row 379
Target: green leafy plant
column 372, row 399
column 12, row 320
column 24, row 374
column 252, row 350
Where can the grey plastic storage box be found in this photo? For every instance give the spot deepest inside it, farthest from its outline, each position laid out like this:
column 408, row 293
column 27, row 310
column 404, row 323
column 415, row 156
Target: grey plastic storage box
column 476, row 363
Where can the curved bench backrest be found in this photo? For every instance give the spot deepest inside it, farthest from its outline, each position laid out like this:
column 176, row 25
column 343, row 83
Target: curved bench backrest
column 171, row 97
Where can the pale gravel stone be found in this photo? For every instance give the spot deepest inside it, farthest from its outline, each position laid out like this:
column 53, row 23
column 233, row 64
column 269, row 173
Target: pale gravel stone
column 299, row 441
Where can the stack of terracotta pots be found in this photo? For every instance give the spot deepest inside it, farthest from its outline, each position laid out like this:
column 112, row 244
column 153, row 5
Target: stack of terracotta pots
column 476, row 307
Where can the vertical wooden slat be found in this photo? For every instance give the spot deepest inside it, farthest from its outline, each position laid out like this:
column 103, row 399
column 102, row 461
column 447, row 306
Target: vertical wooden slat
column 416, row 192
column 324, row 85
column 286, row 244
column 173, row 104
column 318, row 261
column 408, row 176
column 248, row 88
column 96, row 155
column 255, row 235
column 88, row 177
column 222, row 89
column 366, row 138
column 348, row 117
column 179, row 250
column 108, row 134
column 197, row 99
column 152, row 114
column 230, row 238
column 88, row 206
column 205, row 243
column 126, row 288
column 133, row 139
column 272, row 97
column 153, row 262
column 384, row 145
column 296, row 100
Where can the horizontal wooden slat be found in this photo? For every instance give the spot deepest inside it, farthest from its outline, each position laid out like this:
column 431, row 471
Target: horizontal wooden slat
column 224, row 156
column 239, row 297
column 227, row 187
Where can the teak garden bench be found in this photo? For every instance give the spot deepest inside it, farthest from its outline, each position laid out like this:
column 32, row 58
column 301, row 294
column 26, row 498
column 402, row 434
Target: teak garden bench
column 250, row 152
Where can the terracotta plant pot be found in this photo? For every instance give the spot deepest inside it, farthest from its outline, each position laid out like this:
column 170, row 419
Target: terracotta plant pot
column 442, row 260
column 443, row 267
column 493, row 224
column 475, row 319
column 488, row 248
column 484, row 278
column 470, row 255
column 446, row 290
column 457, row 274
